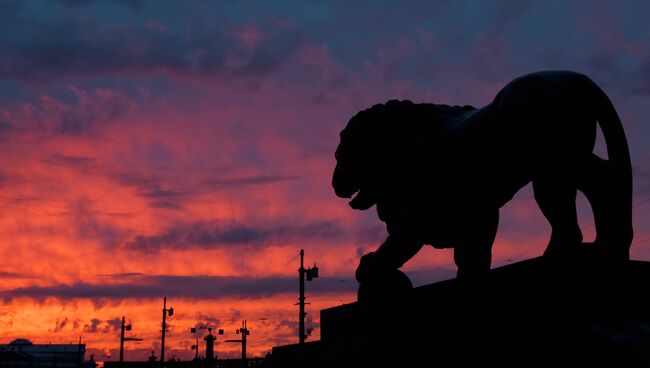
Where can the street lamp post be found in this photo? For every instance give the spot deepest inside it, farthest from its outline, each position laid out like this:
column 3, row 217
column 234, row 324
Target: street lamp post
column 244, row 331
column 310, row 273
column 196, row 347
column 125, row 327
column 165, row 312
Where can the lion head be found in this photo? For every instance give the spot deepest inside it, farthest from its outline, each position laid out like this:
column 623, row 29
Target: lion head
column 382, row 146
column 360, row 152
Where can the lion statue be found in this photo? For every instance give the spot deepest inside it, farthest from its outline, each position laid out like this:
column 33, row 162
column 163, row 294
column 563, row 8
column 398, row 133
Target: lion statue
column 438, row 174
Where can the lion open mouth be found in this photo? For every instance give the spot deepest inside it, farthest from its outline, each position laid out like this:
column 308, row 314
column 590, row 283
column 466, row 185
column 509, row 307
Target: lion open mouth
column 362, row 200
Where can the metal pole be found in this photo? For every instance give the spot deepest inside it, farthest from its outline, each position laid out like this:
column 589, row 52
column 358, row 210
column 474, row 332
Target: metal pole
column 243, row 343
column 162, row 339
column 122, row 343
column 301, row 299
column 196, row 357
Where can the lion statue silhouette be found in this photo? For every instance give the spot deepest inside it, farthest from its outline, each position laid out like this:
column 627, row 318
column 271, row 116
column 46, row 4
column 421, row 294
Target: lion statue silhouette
column 438, row 174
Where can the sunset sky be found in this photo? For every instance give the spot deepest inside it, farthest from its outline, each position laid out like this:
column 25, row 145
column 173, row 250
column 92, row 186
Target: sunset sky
column 185, row 148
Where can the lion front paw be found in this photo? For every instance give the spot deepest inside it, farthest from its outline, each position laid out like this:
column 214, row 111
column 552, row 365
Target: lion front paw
column 368, row 268
column 379, row 283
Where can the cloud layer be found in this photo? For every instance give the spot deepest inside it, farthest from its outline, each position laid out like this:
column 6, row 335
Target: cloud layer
column 193, row 287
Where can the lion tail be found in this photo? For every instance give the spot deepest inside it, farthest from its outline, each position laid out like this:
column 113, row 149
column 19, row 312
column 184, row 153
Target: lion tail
column 618, row 151
column 614, row 215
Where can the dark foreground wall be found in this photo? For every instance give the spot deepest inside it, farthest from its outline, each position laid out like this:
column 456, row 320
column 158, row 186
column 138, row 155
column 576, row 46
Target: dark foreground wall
column 532, row 313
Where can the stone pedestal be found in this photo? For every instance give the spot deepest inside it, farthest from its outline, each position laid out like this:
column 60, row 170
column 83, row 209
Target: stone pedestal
column 533, row 313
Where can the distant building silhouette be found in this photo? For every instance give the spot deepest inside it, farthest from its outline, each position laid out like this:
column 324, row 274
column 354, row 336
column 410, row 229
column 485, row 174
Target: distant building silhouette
column 209, row 347
column 201, row 363
column 24, row 353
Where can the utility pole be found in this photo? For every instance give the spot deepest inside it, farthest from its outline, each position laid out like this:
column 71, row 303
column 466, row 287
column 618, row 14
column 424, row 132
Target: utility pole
column 301, row 299
column 310, row 273
column 165, row 312
column 196, row 347
column 125, row 327
column 244, row 331
column 122, row 342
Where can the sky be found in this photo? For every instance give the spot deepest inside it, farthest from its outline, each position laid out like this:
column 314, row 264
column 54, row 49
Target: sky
column 185, row 149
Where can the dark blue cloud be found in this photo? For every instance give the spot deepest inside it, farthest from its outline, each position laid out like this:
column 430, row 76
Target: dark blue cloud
column 247, row 180
column 161, row 190
column 50, row 41
column 14, row 275
column 169, row 192
column 83, row 164
column 206, row 234
column 194, row 287
column 88, row 111
column 102, row 326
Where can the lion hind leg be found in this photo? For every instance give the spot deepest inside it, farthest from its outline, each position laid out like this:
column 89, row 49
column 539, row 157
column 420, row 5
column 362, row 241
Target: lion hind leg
column 611, row 206
column 556, row 197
